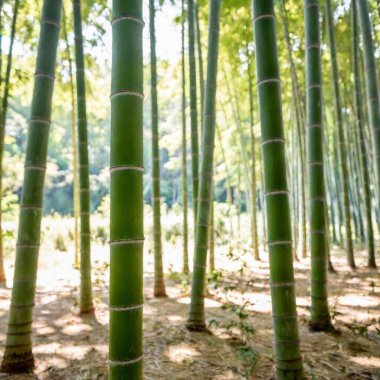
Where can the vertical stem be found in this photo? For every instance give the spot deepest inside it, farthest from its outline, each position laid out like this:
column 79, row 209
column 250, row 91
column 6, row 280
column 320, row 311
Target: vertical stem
column 372, row 89
column 300, row 122
column 193, row 107
column 196, row 319
column 200, row 60
column 74, row 145
column 228, row 177
column 185, row 268
column 362, row 144
column 212, row 236
column 3, row 119
column 127, row 230
column 255, row 239
column 159, row 285
column 284, row 314
column 86, row 305
column 320, row 317
column 18, row 355
column 340, row 133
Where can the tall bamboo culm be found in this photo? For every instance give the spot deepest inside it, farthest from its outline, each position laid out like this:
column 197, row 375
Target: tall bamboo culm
column 284, row 313
column 18, row 355
column 74, row 144
column 371, row 87
column 86, row 305
column 255, row 238
column 340, row 134
column 196, row 318
column 320, row 317
column 159, row 285
column 362, row 143
column 193, row 106
column 185, row 268
column 127, row 230
column 3, row 119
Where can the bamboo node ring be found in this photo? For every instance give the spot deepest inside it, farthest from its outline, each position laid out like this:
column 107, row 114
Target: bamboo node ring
column 125, row 362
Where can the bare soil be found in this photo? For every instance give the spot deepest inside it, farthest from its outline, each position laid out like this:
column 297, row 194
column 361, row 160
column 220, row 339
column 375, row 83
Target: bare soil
column 71, row 347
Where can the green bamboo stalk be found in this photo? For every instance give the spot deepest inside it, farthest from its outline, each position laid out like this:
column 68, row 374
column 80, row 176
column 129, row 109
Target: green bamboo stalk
column 338, row 187
column 320, row 317
column 86, row 305
column 193, row 107
column 255, row 239
column 228, row 178
column 74, row 146
column 340, row 133
column 294, row 180
column 233, row 101
column 159, row 284
column 300, row 122
column 18, row 355
column 212, row 237
column 127, row 230
column 185, row 268
column 238, row 203
column 362, row 143
column 284, row 314
column 1, row 44
column 3, row 119
column 200, row 61
column 196, row 318
column 371, row 87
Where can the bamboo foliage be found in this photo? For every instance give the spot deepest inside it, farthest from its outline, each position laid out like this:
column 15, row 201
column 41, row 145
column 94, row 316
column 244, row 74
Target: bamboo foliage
column 18, row 355
column 340, row 134
column 284, row 314
column 196, row 318
column 126, row 220
column 86, row 305
column 159, row 285
column 320, row 317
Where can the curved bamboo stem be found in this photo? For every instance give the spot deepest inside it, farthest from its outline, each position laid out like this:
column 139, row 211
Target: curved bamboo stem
column 18, row 355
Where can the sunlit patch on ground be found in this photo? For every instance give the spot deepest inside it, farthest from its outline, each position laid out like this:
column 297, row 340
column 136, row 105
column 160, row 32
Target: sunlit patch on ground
column 182, row 353
column 67, row 344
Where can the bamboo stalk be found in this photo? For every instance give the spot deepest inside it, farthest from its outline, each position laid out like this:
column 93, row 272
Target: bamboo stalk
column 18, row 355
column 159, row 284
column 126, row 221
column 196, row 318
column 185, row 268
column 3, row 119
column 284, row 314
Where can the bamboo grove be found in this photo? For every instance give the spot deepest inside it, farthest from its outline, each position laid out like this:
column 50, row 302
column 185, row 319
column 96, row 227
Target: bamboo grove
column 278, row 127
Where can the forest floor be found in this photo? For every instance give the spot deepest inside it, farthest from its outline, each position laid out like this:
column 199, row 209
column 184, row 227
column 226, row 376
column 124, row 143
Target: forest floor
column 70, row 347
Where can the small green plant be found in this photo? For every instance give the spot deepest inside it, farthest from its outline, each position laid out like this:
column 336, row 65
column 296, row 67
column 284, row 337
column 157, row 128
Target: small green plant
column 100, row 269
column 101, row 234
column 60, row 243
column 249, row 357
